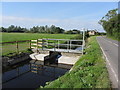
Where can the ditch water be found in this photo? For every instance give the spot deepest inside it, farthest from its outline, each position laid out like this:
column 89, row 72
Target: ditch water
column 23, row 76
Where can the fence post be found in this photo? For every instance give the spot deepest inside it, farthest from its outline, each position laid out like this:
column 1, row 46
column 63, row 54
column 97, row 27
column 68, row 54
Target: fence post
column 17, row 49
column 30, row 44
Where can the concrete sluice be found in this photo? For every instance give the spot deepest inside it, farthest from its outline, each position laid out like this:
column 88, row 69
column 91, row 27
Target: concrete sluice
column 55, row 59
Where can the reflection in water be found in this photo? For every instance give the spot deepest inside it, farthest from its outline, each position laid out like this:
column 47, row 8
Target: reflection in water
column 30, row 76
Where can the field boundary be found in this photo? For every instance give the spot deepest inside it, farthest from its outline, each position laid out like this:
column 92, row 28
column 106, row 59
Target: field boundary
column 14, row 41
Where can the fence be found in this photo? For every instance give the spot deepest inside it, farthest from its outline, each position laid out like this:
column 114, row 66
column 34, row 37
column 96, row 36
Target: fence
column 15, row 47
column 62, row 45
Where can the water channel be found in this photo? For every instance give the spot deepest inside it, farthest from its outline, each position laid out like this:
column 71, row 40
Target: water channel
column 25, row 75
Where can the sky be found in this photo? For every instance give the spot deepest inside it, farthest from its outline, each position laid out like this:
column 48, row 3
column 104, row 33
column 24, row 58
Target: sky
column 67, row 15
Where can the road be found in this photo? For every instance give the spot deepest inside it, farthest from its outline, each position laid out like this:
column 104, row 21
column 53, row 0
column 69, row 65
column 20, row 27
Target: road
column 110, row 51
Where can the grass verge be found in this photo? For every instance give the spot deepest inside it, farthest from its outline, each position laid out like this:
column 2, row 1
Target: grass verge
column 89, row 71
column 117, row 39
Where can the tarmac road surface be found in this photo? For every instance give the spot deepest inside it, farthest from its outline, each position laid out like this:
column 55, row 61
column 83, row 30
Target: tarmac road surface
column 110, row 50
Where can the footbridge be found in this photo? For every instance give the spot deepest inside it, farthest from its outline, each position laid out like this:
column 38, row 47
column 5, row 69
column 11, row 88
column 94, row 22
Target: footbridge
column 60, row 45
column 60, row 53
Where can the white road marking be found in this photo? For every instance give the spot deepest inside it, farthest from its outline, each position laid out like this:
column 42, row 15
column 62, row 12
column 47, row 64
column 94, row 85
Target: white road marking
column 116, row 44
column 111, row 42
column 109, row 63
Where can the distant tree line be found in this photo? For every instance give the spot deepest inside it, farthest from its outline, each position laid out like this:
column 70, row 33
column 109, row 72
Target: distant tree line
column 13, row 28
column 36, row 29
column 39, row 29
column 74, row 31
column 111, row 23
column 45, row 29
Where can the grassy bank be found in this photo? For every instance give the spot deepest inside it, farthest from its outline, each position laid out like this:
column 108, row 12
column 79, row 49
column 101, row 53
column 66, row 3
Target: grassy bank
column 118, row 39
column 8, row 37
column 89, row 72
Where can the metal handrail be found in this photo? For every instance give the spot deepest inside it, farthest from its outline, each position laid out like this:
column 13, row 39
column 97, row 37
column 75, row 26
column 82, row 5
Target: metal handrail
column 56, row 44
column 61, row 39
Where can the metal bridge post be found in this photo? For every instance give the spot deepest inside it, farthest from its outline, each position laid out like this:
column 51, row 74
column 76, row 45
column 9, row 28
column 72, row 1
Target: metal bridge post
column 83, row 37
column 67, row 46
column 83, row 41
column 42, row 44
column 70, row 44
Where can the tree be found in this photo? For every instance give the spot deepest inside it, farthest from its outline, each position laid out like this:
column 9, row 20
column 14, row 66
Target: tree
column 69, row 32
column 52, row 29
column 110, row 23
column 11, row 28
column 34, row 30
column 2, row 29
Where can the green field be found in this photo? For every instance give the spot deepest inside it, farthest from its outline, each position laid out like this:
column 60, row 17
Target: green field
column 89, row 71
column 8, row 37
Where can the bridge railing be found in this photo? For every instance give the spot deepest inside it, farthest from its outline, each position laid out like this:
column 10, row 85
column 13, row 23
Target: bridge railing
column 62, row 45
column 43, row 44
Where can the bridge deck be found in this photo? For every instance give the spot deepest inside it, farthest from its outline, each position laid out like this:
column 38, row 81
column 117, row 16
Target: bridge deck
column 64, row 50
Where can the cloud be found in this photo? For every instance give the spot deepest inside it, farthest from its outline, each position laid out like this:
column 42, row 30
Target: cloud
column 78, row 23
column 25, row 22
column 69, row 23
